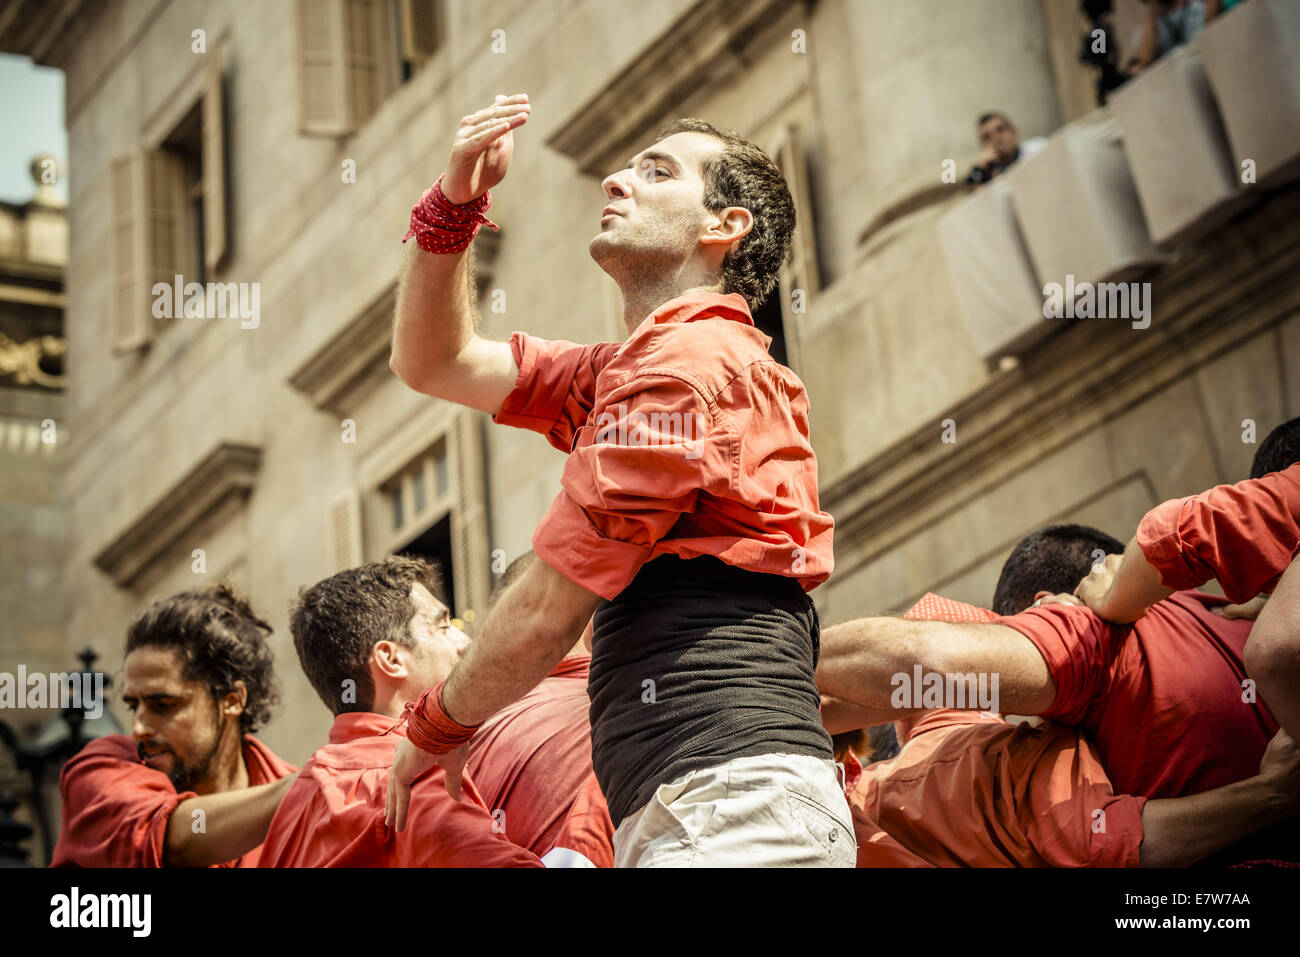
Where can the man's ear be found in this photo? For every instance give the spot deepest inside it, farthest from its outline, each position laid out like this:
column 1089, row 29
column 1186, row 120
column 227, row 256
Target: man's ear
column 387, row 661
column 235, row 700
column 728, row 226
column 1042, row 594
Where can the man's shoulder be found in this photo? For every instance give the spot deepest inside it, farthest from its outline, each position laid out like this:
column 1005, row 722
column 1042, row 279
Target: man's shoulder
column 263, row 763
column 110, row 748
column 709, row 353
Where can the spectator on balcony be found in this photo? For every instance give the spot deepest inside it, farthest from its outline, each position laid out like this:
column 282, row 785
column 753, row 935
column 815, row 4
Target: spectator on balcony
column 1000, row 147
column 1169, row 24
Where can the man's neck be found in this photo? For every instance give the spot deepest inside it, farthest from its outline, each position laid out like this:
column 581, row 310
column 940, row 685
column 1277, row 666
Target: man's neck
column 228, row 771
column 644, row 298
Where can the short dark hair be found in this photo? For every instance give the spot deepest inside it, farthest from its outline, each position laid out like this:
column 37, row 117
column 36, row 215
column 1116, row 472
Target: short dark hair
column 337, row 622
column 1055, row 559
column 1280, row 450
column 743, row 175
column 993, row 115
column 219, row 640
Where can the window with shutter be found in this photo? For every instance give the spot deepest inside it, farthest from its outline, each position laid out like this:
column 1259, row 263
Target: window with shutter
column 132, row 317
column 323, row 103
column 800, row 279
column 214, row 169
column 421, row 29
column 352, row 55
column 345, row 531
column 470, row 546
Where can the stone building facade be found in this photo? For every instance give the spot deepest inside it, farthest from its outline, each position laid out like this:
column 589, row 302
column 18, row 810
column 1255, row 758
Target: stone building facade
column 276, row 149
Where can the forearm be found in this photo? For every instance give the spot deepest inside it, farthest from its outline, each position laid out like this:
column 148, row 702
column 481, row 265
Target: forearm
column 533, row 625
column 1272, row 652
column 839, row 716
column 434, row 318
column 230, row 824
column 1178, row 832
column 858, row 661
column 871, row 663
column 1135, row 588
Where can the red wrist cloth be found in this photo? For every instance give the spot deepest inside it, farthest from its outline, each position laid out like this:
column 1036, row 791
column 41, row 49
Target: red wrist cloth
column 441, row 226
column 430, row 728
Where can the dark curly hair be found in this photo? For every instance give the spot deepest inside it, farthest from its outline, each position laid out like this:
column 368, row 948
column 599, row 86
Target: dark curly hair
column 336, row 623
column 219, row 640
column 743, row 175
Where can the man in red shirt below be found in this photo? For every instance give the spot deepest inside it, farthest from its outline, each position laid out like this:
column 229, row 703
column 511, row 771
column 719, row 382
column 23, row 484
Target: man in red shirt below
column 1163, row 700
column 1246, row 536
column 194, row 788
column 531, row 761
column 972, row 790
column 687, row 520
column 370, row 639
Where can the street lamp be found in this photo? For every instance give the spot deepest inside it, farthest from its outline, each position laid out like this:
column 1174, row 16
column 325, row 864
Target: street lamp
column 58, row 741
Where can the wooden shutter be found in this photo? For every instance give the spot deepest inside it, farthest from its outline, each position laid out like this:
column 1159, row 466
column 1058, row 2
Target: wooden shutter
column 800, row 268
column 214, row 170
column 345, row 531
column 167, row 242
column 365, row 27
column 131, row 310
column 322, row 76
column 420, row 29
column 469, row 525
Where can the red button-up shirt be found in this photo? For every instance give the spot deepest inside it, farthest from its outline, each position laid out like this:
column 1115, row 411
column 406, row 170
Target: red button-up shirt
column 970, row 790
column 116, row 807
column 686, row 439
column 333, row 815
column 1163, row 698
column 532, row 761
column 1243, row 535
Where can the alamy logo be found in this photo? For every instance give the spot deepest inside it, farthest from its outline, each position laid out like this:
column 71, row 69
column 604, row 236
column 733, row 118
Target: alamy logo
column 213, row 300
column 83, row 690
column 75, row 909
column 620, row 427
column 932, row 689
column 1103, row 300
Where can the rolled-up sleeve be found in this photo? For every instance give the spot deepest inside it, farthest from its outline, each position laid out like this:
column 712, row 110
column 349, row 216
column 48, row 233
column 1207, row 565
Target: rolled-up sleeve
column 555, row 388
column 632, row 474
column 1078, row 648
column 115, row 813
column 1071, row 813
column 1243, row 535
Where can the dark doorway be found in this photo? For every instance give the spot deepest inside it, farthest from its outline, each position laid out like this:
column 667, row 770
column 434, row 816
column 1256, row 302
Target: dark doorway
column 434, row 545
column 767, row 319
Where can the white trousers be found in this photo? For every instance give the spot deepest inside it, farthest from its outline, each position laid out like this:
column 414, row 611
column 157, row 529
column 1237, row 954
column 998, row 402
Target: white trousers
column 772, row 810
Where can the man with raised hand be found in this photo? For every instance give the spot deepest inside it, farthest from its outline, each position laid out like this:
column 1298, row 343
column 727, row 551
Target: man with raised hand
column 370, row 639
column 688, row 517
column 192, row 786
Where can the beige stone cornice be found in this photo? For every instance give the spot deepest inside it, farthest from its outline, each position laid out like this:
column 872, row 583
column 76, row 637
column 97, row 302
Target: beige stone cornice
column 357, row 349
column 705, row 43
column 229, row 470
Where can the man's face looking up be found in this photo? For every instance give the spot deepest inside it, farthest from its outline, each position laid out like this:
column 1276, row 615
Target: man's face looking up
column 655, row 215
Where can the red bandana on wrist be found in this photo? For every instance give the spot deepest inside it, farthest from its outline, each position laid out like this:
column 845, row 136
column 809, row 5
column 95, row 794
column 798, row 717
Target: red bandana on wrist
column 441, row 226
column 430, row 728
